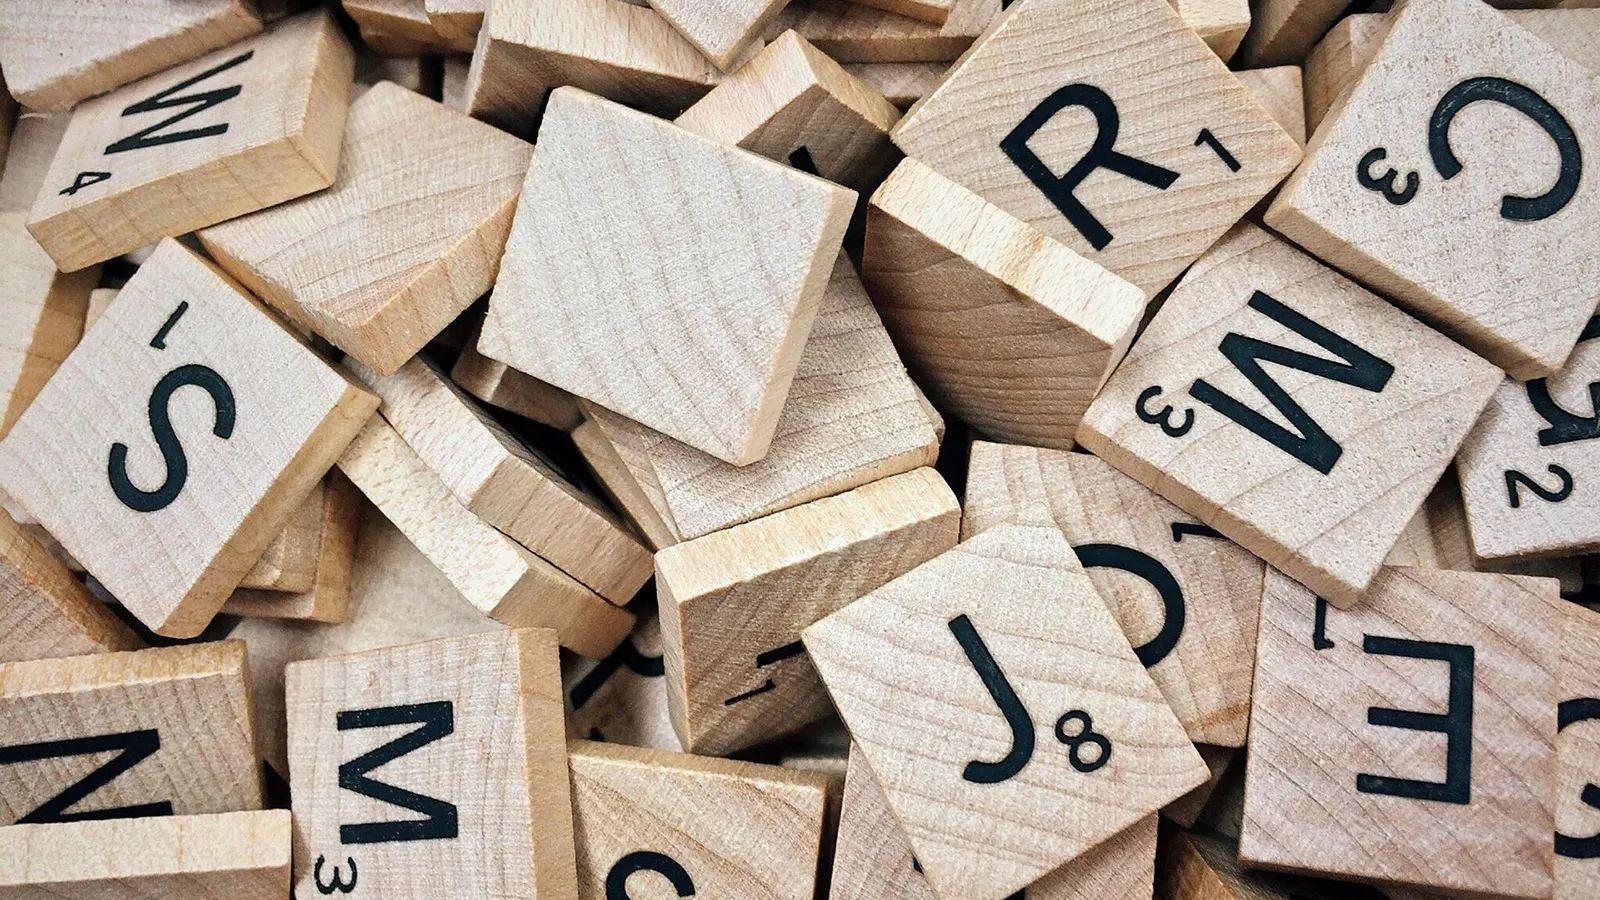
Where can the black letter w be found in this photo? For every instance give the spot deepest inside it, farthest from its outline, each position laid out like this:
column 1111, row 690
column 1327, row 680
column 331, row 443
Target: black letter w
column 1311, row 445
column 437, row 720
column 165, row 100
column 135, row 746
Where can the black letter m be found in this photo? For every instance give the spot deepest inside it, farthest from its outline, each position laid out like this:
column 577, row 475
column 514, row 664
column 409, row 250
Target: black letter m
column 135, row 746
column 201, row 102
column 437, row 720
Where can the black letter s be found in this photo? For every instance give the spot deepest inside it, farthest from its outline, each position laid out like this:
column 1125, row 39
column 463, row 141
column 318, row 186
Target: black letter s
column 203, row 377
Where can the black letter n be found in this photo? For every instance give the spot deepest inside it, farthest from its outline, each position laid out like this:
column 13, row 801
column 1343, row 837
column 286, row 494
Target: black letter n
column 1455, row 723
column 437, row 720
column 197, row 103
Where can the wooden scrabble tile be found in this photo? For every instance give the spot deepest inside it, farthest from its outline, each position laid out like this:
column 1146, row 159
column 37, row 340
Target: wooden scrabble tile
column 175, row 721
column 853, row 416
column 1369, row 431
column 457, row 21
column 499, row 385
column 1161, row 107
column 622, row 698
column 853, row 33
column 1460, row 254
column 453, row 89
column 1011, row 614
column 1185, row 811
column 56, row 54
column 503, row 482
column 226, row 856
column 289, row 564
column 379, row 41
column 723, row 30
column 733, row 603
column 475, row 785
column 495, row 573
column 267, row 117
column 1220, row 23
column 1337, row 60
column 406, row 20
column 628, row 53
column 1283, row 31
column 615, row 466
column 709, row 827
column 34, row 140
column 794, row 104
column 438, row 202
column 1577, row 873
column 1281, row 92
column 99, row 299
column 44, row 611
column 336, row 506
column 1007, row 328
column 171, row 525
column 874, row 860
column 1223, row 814
column 1206, row 867
column 42, row 312
column 1423, row 714
column 900, row 83
column 723, row 255
column 1185, row 596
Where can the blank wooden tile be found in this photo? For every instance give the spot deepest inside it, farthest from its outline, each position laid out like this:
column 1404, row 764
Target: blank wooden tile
column 733, row 603
column 853, row 33
column 290, row 562
column 1186, row 149
column 618, row 462
column 852, row 416
column 408, row 237
column 622, row 698
column 336, row 506
column 34, row 140
column 900, row 83
column 495, row 573
column 935, row 11
column 794, row 104
column 226, row 856
column 721, row 30
column 1206, row 867
column 1011, row 614
column 472, row 797
column 265, row 127
column 1577, row 873
column 1281, row 92
column 1220, row 23
column 42, row 312
column 56, row 54
column 709, row 827
column 1436, row 697
column 1185, row 811
column 457, row 21
column 506, row 484
column 1369, row 432
column 1483, row 258
column 1337, row 60
column 499, row 385
column 405, row 20
column 680, row 297
column 1005, row 327
column 116, row 735
column 45, row 612
column 183, row 510
column 1185, row 596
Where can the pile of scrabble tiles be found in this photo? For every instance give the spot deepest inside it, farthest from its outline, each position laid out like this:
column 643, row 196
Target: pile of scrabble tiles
column 764, row 450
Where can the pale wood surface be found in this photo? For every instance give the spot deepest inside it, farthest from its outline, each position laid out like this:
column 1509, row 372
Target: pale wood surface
column 174, row 565
column 42, row 314
column 497, row 384
column 1303, row 809
column 721, row 29
column 60, row 52
column 45, row 612
column 99, row 299
column 1281, row 92
column 409, row 235
column 1206, row 867
column 935, row 11
column 1516, row 291
column 495, row 573
column 337, row 506
column 622, row 698
column 1007, row 328
column 405, row 20
column 34, row 140
column 1220, row 23
column 1204, row 667
column 1325, row 510
column 852, row 416
column 732, row 597
column 905, row 681
column 506, row 484
column 1577, row 749
column 1337, row 60
column 736, row 829
column 200, row 759
column 680, row 297
column 458, row 21
column 1166, row 88
column 1186, row 810
column 453, row 86
column 1283, row 31
column 617, row 461
column 900, row 83
column 227, row 856
column 275, row 138
column 500, row 768
column 853, row 33
column 290, row 562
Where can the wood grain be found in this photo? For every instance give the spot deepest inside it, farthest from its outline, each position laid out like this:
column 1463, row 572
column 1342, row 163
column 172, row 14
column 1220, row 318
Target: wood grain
column 1220, row 23
column 42, row 313
column 34, row 140
column 1206, row 867
column 900, row 83
column 622, row 698
column 337, row 506
column 499, row 385
column 852, row 33
column 722, row 30
column 45, row 612
column 1281, row 92
column 457, row 21
column 1577, row 874
column 1185, row 811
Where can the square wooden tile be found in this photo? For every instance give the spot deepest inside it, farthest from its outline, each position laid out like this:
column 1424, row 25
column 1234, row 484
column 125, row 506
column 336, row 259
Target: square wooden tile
column 1577, row 749
column 622, row 698
column 47, row 612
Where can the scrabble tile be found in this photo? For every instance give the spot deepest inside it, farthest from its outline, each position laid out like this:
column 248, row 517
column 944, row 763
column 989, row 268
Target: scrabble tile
column 875, row 862
column 336, row 506
column 1577, row 874
column 290, row 562
column 622, row 698
column 44, row 611
column 56, row 54
column 1337, row 60
column 396, row 597
column 1283, row 31
column 227, row 856
column 1007, row 328
column 457, row 21
column 499, row 385
column 504, row 483
column 474, row 785
column 1162, row 108
column 1220, row 23
column 616, row 466
column 709, row 827
column 1185, row 811
column 723, row 30
column 1376, row 404
column 900, row 83
column 167, row 729
column 908, row 666
column 453, row 90
column 853, row 33
column 406, row 20
column 726, row 254
column 1185, row 596
column 1223, row 814
column 42, row 311
column 34, row 140
column 379, row 41
column 1281, row 92
column 496, row 574
column 1424, row 714
column 794, row 104
column 259, row 123
column 1206, row 867
column 733, row 603
column 99, row 299
column 414, row 73
column 853, row 416
column 628, row 53
column 171, row 524
column 1459, row 253
column 439, row 204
